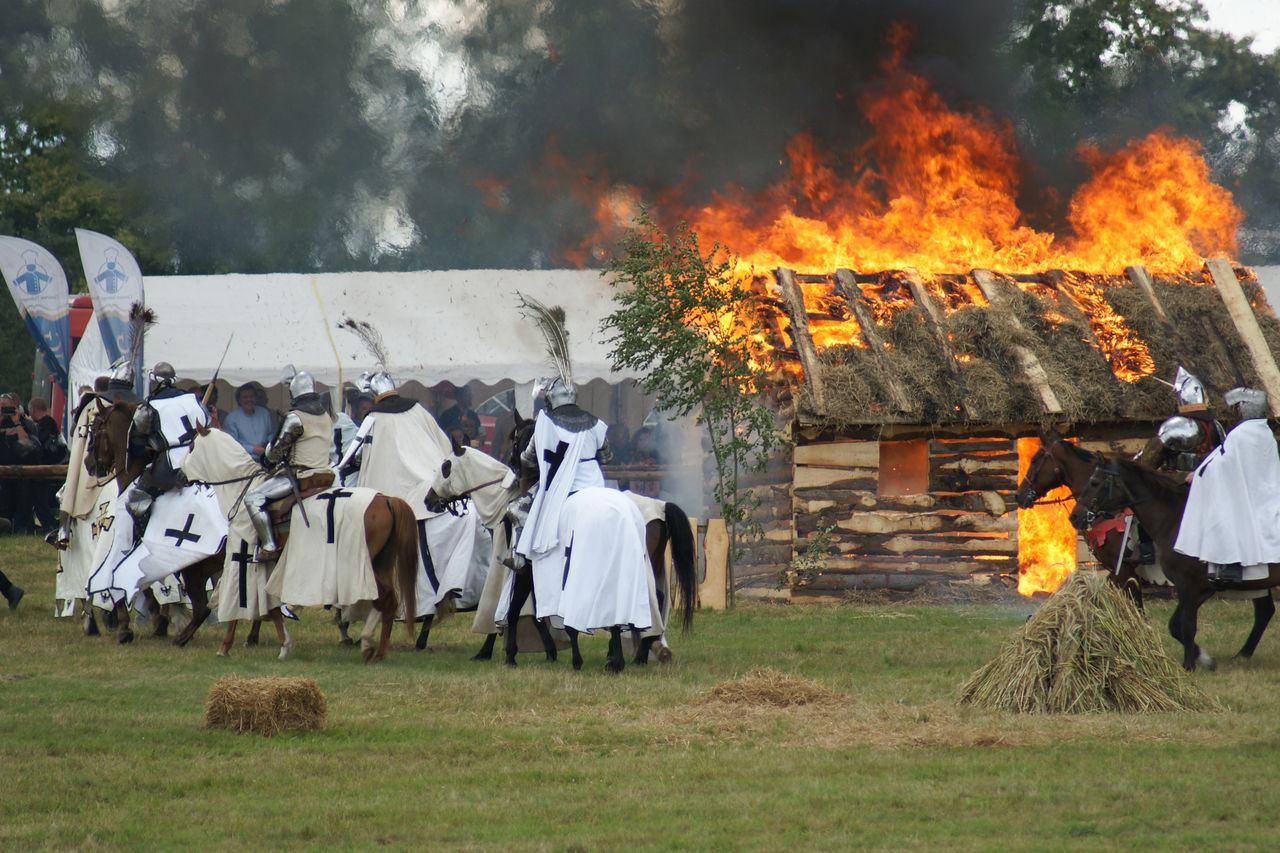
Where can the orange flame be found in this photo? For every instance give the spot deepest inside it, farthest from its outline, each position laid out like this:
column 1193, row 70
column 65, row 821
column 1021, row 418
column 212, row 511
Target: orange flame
column 1046, row 539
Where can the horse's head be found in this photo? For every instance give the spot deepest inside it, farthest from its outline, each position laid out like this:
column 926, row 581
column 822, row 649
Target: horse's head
column 521, row 436
column 1105, row 495
column 108, row 439
column 447, row 486
column 1043, row 476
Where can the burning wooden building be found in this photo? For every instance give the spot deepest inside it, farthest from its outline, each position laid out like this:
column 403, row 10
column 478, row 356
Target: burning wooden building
column 919, row 401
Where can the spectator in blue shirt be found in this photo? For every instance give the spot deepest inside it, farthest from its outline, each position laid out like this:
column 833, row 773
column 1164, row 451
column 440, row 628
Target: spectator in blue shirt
column 250, row 424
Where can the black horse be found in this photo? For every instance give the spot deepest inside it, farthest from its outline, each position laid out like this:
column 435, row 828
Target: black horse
column 1158, row 501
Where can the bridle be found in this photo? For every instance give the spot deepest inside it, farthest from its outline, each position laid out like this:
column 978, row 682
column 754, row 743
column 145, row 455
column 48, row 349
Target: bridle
column 1044, row 453
column 1090, row 511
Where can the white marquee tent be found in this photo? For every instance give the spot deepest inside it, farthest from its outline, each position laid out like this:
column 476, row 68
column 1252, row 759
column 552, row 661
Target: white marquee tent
column 456, row 325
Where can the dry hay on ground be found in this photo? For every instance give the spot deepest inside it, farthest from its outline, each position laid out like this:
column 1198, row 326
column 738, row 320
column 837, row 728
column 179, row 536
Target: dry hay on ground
column 266, row 706
column 1087, row 649
column 766, row 686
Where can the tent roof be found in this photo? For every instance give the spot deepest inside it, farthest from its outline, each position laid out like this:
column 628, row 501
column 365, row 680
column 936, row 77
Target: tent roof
column 456, row 325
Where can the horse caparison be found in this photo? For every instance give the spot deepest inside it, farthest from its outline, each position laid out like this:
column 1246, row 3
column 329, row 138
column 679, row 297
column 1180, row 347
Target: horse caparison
column 1158, row 502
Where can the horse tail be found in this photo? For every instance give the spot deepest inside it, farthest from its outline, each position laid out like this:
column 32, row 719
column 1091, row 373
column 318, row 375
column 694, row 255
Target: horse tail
column 683, row 561
column 404, row 535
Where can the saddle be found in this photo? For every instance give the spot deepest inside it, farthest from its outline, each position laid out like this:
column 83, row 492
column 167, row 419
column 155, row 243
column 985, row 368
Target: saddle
column 280, row 510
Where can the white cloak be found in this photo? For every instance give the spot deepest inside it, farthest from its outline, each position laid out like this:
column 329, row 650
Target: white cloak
column 1233, row 511
column 402, row 455
column 322, row 566
column 563, row 453
column 242, row 591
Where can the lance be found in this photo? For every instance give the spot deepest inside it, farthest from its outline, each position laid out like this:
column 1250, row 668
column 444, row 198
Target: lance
column 204, row 403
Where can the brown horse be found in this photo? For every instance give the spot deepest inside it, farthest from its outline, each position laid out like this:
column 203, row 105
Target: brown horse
column 390, row 533
column 1157, row 502
column 1059, row 463
column 106, row 456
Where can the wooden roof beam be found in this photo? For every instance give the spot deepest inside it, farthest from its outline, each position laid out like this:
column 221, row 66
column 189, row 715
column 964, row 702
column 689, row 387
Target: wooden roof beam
column 1246, row 323
column 793, row 299
column 1032, row 369
column 937, row 325
column 847, row 286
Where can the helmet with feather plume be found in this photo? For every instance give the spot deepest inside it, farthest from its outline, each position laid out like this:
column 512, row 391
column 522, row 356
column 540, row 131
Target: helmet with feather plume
column 378, row 382
column 558, row 389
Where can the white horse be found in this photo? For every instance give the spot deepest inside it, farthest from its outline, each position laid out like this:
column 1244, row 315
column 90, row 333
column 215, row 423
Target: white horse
column 492, row 487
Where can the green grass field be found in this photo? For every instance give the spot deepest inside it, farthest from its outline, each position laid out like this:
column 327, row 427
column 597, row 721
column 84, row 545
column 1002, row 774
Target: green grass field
column 102, row 746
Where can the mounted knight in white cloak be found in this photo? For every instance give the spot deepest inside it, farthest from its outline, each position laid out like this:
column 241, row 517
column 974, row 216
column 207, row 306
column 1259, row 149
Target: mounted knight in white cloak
column 586, row 542
column 1232, row 517
column 78, row 507
column 398, row 451
column 298, row 458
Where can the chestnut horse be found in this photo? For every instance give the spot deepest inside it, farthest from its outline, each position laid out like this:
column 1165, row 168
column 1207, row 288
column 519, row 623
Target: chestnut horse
column 390, row 534
column 1158, row 501
column 105, row 457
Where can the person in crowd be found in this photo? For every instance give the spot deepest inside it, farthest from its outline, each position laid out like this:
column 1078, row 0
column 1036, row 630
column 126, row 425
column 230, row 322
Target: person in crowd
column 19, row 445
column 53, row 451
column 11, row 591
column 250, row 423
column 644, row 450
column 619, row 438
column 470, row 426
column 451, row 418
column 215, row 414
column 364, row 405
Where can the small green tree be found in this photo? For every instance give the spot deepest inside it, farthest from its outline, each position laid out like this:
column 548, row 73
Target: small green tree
column 693, row 329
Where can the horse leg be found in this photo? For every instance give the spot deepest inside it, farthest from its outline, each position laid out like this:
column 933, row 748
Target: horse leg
column 548, row 642
column 366, row 635
column 573, row 643
column 282, row 633
column 388, row 610
column 616, row 661
column 159, row 618
column 125, row 633
column 195, row 582
column 340, row 618
column 254, row 635
column 644, row 645
column 224, row 648
column 520, row 590
column 1192, row 653
column 486, row 649
column 1175, row 622
column 90, row 622
column 421, row 644
column 1263, row 609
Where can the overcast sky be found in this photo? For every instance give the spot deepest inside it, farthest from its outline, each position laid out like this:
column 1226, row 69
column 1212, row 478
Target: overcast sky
column 1259, row 18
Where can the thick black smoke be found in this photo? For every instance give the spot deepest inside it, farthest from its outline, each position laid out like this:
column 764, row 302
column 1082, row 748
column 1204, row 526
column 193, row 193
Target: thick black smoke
column 258, row 135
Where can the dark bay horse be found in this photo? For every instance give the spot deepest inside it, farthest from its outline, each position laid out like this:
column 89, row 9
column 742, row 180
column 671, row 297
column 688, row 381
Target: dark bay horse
column 1060, row 463
column 106, row 456
column 1158, row 501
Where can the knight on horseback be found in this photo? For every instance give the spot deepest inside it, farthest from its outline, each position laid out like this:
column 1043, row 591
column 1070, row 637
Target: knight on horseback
column 1232, row 517
column 163, row 425
column 1182, row 441
column 299, row 452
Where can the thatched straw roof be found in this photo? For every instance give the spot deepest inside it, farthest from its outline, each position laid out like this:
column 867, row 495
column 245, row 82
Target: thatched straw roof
column 986, row 348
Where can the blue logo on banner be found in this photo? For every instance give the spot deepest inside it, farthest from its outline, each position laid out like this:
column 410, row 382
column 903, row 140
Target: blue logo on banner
column 31, row 276
column 110, row 276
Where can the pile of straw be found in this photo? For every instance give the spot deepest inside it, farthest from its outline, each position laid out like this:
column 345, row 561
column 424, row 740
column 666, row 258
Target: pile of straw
column 1087, row 649
column 766, row 686
column 264, row 705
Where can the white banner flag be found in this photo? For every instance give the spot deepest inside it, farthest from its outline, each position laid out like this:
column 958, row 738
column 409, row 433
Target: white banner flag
column 39, row 289
column 115, row 281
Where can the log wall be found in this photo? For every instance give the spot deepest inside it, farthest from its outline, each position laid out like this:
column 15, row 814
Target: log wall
column 963, row 525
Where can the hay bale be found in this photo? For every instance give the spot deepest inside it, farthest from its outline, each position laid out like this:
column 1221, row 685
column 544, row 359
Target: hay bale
column 264, row 705
column 767, row 686
column 1087, row 649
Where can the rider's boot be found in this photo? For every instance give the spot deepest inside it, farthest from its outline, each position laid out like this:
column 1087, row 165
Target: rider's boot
column 138, row 504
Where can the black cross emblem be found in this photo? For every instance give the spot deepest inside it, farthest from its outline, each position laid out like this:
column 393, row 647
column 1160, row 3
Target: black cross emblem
column 568, row 556
column 185, row 534
column 186, row 438
column 241, row 558
column 427, row 563
column 332, row 498
column 553, row 458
